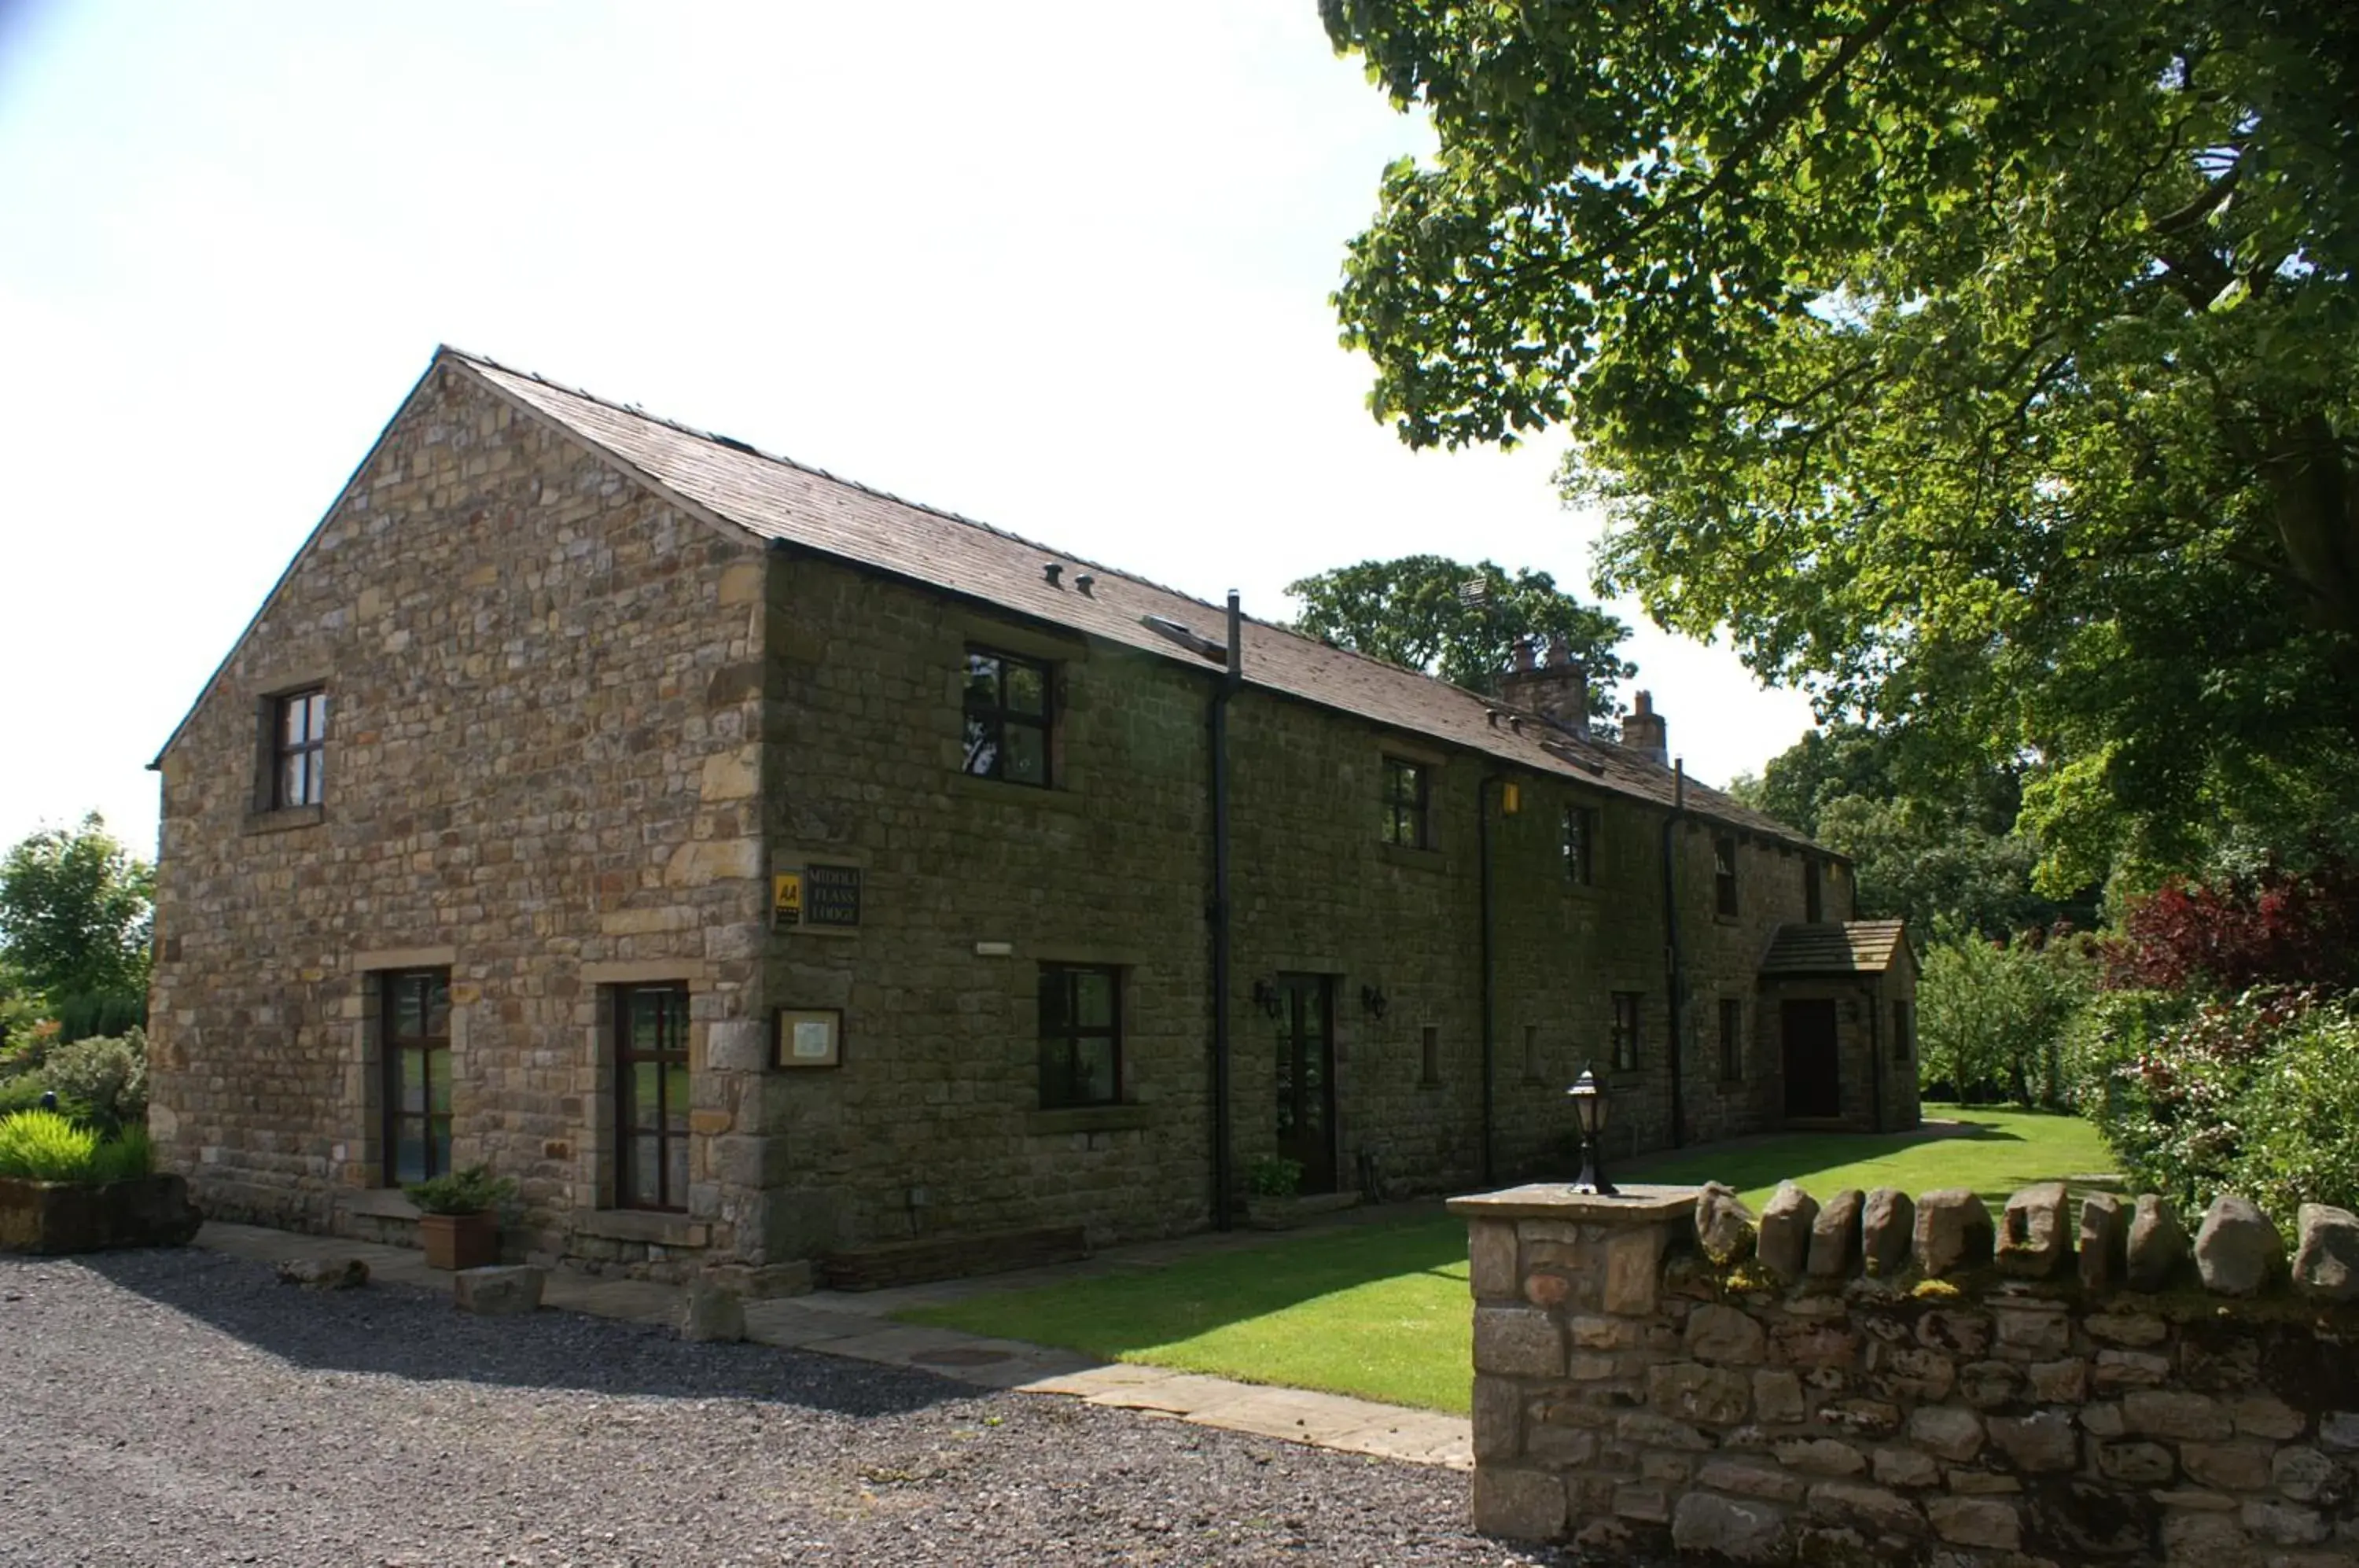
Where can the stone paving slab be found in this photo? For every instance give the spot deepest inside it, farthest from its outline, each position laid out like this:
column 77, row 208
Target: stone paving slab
column 858, row 1326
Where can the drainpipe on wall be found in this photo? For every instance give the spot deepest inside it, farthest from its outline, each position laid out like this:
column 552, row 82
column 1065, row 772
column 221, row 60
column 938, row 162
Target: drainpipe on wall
column 1483, row 860
column 1218, row 719
column 1675, row 959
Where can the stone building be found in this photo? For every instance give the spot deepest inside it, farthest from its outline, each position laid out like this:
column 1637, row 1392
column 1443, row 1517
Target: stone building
column 760, row 869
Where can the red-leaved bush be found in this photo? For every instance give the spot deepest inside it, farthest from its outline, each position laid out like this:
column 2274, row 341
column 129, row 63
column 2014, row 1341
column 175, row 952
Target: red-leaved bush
column 2273, row 929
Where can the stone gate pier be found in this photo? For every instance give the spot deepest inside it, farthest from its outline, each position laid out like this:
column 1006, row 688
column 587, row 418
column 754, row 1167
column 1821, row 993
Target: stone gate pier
column 1882, row 1379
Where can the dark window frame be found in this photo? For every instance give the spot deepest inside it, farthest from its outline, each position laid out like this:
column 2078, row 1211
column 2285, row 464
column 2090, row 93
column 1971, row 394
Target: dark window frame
column 432, row 1050
column 299, row 733
column 1815, row 902
column 1063, row 1032
column 1630, row 1014
column 670, row 1125
column 1724, row 875
column 1406, row 823
column 1904, row 1029
column 985, row 720
column 1731, row 1041
column 1580, row 845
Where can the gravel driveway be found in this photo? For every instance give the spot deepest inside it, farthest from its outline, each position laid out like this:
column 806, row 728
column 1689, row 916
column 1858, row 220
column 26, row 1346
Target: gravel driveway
column 185, row 1408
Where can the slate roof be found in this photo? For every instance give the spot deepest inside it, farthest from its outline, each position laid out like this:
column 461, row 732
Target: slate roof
column 1850, row 947
column 775, row 498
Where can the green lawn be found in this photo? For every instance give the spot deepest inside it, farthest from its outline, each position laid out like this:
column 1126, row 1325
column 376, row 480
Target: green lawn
column 1379, row 1310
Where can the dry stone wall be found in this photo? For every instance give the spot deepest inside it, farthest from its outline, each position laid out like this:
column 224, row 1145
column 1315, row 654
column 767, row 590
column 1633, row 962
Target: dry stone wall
column 1872, row 1378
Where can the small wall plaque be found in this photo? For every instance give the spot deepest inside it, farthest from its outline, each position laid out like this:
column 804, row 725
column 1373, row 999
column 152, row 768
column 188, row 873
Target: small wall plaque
column 831, row 894
column 808, row 1037
column 786, row 898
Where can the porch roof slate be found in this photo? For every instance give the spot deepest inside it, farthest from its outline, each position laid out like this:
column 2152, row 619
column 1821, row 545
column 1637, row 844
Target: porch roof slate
column 1830, row 947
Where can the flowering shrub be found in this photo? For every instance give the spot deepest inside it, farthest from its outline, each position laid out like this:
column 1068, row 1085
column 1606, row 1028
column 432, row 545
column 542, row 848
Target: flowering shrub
column 2258, row 1096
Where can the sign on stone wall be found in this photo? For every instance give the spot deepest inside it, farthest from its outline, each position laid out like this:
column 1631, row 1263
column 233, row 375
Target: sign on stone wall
column 831, row 894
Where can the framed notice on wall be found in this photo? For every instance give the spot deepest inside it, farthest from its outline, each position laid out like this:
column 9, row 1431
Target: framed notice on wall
column 807, row 1037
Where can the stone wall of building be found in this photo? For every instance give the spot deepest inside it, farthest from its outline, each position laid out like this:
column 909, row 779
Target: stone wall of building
column 933, row 1123
column 1877, row 1380
column 541, row 773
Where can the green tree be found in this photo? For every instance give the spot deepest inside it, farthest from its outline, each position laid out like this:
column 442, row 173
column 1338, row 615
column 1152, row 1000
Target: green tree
column 1460, row 622
column 1991, row 367
column 76, row 910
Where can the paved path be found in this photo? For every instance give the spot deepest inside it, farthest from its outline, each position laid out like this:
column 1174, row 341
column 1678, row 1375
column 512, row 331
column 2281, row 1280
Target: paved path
column 859, row 1325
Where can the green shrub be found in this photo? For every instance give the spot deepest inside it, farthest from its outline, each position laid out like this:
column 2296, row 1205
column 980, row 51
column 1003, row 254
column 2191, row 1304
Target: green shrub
column 2258, row 1096
column 123, row 1158
column 470, row 1191
column 1991, row 1017
column 103, row 1080
column 1272, row 1176
column 21, row 1093
column 42, row 1145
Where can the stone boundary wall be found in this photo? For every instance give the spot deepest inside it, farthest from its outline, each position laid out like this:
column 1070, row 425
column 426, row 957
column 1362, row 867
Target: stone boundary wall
column 1877, row 1379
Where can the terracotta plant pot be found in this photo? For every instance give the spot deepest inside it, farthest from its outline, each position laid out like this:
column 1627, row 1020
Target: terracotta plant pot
column 460, row 1241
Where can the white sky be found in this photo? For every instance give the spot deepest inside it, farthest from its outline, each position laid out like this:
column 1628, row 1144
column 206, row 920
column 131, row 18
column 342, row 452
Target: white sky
column 1059, row 265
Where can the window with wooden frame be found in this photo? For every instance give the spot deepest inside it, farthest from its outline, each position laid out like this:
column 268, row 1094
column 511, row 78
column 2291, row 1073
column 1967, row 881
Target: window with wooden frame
column 1626, row 1031
column 1723, row 875
column 1814, row 903
column 1732, row 1040
column 414, row 1042
column 1009, row 714
column 1081, row 1035
column 651, row 1096
column 1904, row 1030
column 1406, row 789
column 1580, row 845
column 298, row 731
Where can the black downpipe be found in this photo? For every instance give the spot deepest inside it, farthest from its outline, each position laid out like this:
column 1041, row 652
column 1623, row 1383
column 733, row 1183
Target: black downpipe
column 1674, row 957
column 1231, row 681
column 1490, row 1008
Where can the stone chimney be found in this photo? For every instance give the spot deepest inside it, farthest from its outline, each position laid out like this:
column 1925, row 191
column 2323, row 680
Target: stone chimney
column 1643, row 731
column 1557, row 691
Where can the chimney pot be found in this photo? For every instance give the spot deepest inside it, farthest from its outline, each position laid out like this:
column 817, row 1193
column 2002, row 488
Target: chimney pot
column 1558, row 692
column 1644, row 731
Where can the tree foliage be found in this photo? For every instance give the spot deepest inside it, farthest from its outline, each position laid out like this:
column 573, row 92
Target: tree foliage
column 2273, row 929
column 1460, row 622
column 75, row 915
column 1932, row 840
column 1992, row 368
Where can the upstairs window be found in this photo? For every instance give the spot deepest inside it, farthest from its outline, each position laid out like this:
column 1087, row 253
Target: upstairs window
column 1626, row 1031
column 1404, row 820
column 1008, row 717
column 1081, row 1035
column 1723, row 874
column 1814, row 903
column 299, row 730
column 1580, row 845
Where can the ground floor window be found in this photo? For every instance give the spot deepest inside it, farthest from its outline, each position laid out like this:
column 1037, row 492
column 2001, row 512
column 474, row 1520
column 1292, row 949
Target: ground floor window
column 1626, row 1031
column 1732, row 1040
column 414, row 1031
column 651, row 1096
column 1904, row 1030
column 1081, row 1035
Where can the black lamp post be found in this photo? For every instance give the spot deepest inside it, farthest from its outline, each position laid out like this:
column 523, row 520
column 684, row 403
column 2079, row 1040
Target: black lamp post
column 1588, row 1104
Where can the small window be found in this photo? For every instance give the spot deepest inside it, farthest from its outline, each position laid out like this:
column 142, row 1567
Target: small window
column 1731, row 1041
column 1723, row 874
column 651, row 1096
column 1080, row 1036
column 1008, row 716
column 1814, row 903
column 1405, row 803
column 414, row 1039
column 1428, row 1072
column 1904, row 1029
column 299, row 731
column 1626, row 1031
column 1532, row 1054
column 1580, row 845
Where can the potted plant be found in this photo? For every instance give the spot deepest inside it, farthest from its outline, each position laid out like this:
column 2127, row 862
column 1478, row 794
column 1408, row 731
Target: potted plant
column 456, row 1224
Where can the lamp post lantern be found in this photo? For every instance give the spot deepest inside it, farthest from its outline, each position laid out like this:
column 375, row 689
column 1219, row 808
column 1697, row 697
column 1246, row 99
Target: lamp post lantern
column 1589, row 1105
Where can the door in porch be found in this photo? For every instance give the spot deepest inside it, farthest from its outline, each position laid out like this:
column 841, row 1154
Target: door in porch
column 1813, row 1072
column 1306, row 1077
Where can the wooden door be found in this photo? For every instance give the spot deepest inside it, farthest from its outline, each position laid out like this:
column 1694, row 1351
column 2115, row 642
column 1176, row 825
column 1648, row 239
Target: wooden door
column 1306, row 1077
column 1813, row 1069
